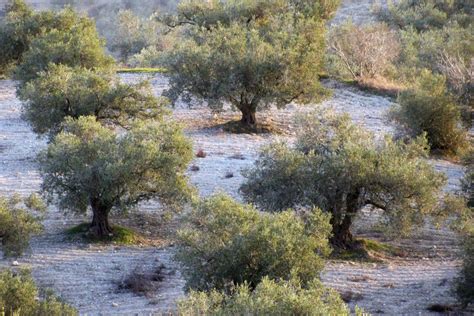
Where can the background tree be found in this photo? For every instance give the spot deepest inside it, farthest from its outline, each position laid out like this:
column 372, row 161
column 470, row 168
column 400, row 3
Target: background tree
column 62, row 91
column 363, row 52
column 250, row 54
column 19, row 220
column 342, row 168
column 90, row 166
column 224, row 243
column 17, row 29
column 429, row 108
column 72, row 40
column 132, row 34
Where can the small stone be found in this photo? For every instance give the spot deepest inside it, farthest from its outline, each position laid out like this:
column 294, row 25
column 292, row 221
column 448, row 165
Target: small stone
column 115, row 304
column 15, row 263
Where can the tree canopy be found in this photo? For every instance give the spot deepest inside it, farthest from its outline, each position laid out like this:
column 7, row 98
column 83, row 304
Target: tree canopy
column 91, row 166
column 250, row 54
column 34, row 40
column 342, row 168
column 62, row 91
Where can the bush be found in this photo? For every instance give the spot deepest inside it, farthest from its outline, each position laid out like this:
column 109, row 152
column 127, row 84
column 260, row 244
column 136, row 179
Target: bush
column 363, row 52
column 19, row 296
column 226, row 243
column 18, row 224
column 428, row 108
column 447, row 51
column 464, row 284
column 468, row 180
column 268, row 298
column 428, row 14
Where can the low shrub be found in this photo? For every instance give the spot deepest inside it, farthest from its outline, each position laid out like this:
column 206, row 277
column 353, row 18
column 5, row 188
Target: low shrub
column 428, row 108
column 225, row 243
column 143, row 282
column 464, row 284
column 268, row 298
column 19, row 296
column 19, row 220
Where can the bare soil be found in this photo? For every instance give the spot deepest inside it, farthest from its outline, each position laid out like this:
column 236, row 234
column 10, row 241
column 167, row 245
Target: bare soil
column 87, row 275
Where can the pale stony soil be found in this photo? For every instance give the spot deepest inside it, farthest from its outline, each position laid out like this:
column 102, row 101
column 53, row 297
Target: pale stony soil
column 87, row 276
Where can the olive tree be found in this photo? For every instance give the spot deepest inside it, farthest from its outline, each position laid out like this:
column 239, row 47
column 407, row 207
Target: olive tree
column 341, row 168
column 250, row 54
column 69, row 39
column 89, row 166
column 62, row 91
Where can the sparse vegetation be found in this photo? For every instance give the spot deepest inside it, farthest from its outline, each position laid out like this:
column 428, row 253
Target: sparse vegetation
column 90, row 166
column 19, row 295
column 143, row 282
column 268, row 298
column 363, row 53
column 224, row 243
column 121, row 235
column 19, row 220
column 69, row 39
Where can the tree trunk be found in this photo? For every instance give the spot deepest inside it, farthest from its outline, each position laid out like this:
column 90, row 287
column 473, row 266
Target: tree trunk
column 100, row 222
column 342, row 237
column 248, row 116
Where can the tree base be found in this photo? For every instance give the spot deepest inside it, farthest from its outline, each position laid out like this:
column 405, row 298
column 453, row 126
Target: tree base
column 121, row 235
column 238, row 127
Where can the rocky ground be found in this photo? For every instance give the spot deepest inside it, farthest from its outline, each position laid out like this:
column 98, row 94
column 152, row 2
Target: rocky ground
column 88, row 276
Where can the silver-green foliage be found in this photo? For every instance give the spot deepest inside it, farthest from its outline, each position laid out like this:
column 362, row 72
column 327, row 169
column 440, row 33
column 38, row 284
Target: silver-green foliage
column 268, row 298
column 89, row 165
column 61, row 92
column 248, row 54
column 225, row 243
column 19, row 295
column 429, row 108
column 340, row 168
column 19, row 220
column 67, row 38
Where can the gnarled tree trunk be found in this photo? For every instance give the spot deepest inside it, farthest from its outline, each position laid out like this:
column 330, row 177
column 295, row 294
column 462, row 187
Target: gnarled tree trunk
column 341, row 225
column 248, row 114
column 100, row 226
column 342, row 237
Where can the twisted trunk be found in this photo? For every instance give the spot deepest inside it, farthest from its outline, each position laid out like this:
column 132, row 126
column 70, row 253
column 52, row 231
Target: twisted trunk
column 248, row 115
column 100, row 226
column 341, row 225
column 342, row 237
